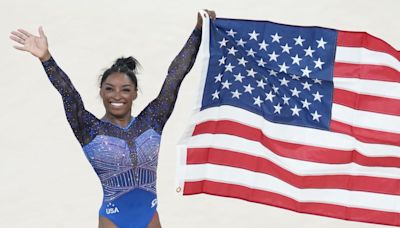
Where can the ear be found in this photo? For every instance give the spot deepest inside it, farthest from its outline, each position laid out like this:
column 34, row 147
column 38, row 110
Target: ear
column 135, row 95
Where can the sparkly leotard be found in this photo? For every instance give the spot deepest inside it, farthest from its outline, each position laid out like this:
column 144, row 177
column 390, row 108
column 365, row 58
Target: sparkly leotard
column 125, row 159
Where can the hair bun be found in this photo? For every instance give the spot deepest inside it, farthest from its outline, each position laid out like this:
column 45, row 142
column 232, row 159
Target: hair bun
column 129, row 62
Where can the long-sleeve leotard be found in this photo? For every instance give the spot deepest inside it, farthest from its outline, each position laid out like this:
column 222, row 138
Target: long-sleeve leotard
column 125, row 159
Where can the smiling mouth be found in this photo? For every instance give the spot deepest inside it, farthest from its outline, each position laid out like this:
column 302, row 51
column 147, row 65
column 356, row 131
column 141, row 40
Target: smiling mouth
column 116, row 104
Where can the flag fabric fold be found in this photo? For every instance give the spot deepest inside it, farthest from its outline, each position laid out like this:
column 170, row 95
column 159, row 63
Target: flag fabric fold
column 302, row 118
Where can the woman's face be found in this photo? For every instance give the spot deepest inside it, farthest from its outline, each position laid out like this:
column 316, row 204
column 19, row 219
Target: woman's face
column 118, row 92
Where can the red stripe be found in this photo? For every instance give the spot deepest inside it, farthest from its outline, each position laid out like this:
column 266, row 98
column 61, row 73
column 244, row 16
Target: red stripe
column 367, row 102
column 364, row 71
column 366, row 135
column 363, row 39
column 262, row 165
column 277, row 200
column 292, row 150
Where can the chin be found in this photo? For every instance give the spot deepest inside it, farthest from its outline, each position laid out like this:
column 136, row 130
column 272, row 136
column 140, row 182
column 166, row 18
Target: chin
column 118, row 113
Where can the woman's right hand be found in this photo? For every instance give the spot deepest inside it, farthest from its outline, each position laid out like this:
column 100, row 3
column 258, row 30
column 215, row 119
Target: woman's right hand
column 36, row 45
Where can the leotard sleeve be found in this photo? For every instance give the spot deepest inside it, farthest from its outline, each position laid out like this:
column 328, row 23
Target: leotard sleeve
column 160, row 109
column 79, row 119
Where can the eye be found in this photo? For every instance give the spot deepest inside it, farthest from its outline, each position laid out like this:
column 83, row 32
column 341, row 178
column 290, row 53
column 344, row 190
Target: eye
column 108, row 88
column 126, row 90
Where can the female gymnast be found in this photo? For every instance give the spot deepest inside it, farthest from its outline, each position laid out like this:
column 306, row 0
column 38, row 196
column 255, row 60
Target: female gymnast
column 122, row 149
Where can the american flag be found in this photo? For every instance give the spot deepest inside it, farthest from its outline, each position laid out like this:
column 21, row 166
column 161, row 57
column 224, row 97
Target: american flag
column 303, row 118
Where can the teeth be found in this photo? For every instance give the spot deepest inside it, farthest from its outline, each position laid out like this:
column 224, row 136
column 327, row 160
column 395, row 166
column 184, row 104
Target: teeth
column 117, row 104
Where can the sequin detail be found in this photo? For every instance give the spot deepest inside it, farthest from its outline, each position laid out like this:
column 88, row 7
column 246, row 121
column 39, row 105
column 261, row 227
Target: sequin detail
column 111, row 159
column 125, row 158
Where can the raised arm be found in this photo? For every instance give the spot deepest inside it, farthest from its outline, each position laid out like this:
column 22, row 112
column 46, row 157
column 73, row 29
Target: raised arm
column 79, row 119
column 160, row 109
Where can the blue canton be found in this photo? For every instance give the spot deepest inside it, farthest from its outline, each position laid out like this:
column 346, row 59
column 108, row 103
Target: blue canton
column 283, row 73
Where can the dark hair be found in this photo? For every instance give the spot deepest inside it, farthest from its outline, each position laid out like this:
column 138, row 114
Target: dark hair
column 127, row 66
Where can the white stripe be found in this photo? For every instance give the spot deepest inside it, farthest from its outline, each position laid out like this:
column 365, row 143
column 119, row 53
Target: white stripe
column 369, row 87
column 302, row 168
column 364, row 119
column 365, row 56
column 295, row 134
column 357, row 199
column 203, row 58
column 202, row 62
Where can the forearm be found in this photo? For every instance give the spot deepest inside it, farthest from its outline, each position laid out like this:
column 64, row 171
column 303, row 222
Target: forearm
column 59, row 78
column 159, row 110
column 73, row 104
column 184, row 61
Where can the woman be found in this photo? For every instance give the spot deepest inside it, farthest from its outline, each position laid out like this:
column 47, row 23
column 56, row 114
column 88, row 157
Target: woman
column 122, row 149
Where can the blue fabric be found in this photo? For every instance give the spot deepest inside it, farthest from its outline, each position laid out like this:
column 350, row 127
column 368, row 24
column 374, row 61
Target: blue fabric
column 134, row 209
column 253, row 66
column 125, row 159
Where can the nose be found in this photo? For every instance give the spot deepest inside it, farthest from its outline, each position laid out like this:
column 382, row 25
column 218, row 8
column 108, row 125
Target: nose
column 116, row 95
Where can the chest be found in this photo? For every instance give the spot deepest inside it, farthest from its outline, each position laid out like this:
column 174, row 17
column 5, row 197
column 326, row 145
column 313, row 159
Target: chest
column 124, row 152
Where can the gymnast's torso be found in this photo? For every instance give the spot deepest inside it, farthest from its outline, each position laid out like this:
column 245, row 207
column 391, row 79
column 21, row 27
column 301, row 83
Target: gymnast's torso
column 125, row 158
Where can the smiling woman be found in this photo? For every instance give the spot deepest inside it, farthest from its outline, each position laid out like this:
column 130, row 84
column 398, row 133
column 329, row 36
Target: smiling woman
column 118, row 89
column 122, row 149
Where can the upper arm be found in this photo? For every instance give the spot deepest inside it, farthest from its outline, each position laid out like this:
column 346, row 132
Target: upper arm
column 78, row 117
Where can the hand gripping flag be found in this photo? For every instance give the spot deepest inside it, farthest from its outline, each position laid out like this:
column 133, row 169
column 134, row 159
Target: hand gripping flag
column 303, row 118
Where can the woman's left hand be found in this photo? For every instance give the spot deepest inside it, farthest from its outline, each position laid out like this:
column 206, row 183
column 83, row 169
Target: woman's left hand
column 210, row 13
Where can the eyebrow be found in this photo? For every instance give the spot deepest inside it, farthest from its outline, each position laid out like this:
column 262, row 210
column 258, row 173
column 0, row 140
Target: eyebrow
column 126, row 85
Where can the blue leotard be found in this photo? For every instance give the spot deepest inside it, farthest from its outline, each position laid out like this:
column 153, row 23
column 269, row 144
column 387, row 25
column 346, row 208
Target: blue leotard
column 125, row 159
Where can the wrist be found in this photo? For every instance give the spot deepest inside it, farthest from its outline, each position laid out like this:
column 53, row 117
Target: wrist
column 198, row 26
column 45, row 57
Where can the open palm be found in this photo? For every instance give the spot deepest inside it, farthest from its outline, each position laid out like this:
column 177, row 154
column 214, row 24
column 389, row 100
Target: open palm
column 36, row 45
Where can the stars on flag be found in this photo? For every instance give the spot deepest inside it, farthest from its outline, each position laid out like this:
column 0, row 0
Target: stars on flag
column 232, row 51
column 296, row 60
column 321, row 43
column 273, row 72
column 261, row 83
column 251, row 52
column 241, row 42
column 306, row 72
column 286, row 48
column 306, row 104
column 238, row 77
column 318, row 64
column 242, row 61
column 248, row 89
column 223, row 42
column 236, row 94
column 254, row 35
column 257, row 101
column 263, row 45
column 299, row 41
column 231, row 33
column 261, row 62
column 273, row 57
column 270, row 96
column 276, row 38
column 309, row 51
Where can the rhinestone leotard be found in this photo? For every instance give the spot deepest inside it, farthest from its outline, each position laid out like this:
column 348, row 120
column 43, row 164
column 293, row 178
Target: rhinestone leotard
column 125, row 159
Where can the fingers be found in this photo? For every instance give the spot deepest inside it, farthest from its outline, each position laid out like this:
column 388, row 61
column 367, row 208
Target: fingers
column 24, row 33
column 16, row 38
column 211, row 14
column 19, row 48
column 19, row 35
column 41, row 32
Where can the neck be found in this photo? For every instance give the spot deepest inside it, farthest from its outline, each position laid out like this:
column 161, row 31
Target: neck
column 119, row 121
